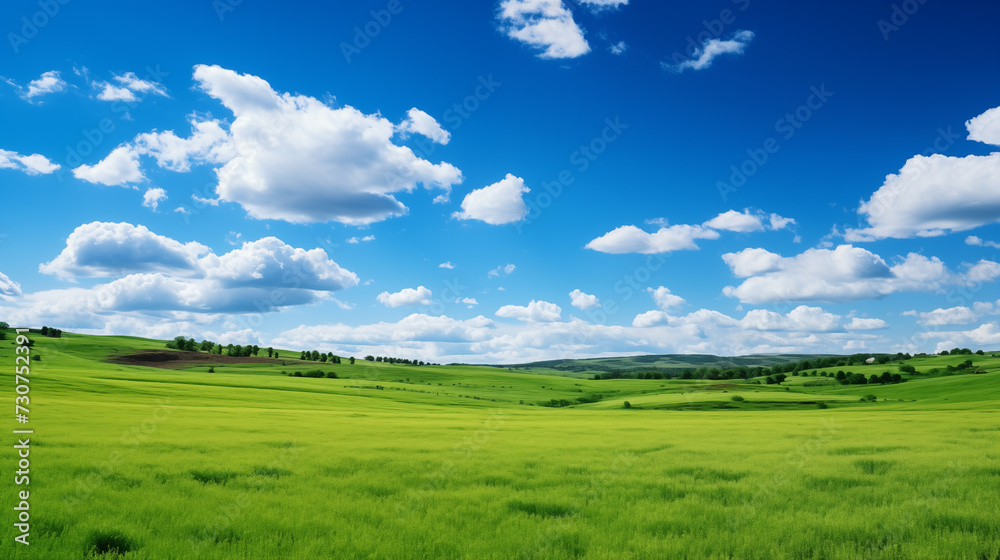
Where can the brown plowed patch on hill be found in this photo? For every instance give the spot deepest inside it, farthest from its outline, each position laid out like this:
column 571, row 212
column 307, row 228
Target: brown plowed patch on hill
column 177, row 359
column 721, row 386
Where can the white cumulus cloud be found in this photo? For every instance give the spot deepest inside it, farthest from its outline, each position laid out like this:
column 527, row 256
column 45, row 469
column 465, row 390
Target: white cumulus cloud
column 546, row 25
column 496, row 204
column 120, row 167
column 584, row 301
column 535, row 312
column 153, row 197
column 407, row 296
column 631, row 239
column 420, row 122
column 864, row 324
column 35, row 164
column 846, row 273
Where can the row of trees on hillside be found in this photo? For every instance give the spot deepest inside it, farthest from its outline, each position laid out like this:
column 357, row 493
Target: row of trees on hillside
column 238, row 351
column 325, row 357
column 389, row 360
column 746, row 372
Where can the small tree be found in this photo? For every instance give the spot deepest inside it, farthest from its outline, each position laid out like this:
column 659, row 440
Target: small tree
column 628, row 404
column 352, row 360
column 45, row 331
column 270, row 352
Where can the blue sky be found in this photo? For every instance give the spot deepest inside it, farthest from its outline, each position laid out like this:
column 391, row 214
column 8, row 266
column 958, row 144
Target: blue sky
column 505, row 181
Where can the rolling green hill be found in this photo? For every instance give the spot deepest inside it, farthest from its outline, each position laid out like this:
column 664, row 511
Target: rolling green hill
column 401, row 461
column 663, row 362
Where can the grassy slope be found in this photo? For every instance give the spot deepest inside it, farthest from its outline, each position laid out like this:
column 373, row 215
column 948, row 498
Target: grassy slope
column 248, row 463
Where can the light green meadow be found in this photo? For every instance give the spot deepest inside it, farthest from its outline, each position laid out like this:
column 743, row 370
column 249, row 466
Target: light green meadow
column 396, row 461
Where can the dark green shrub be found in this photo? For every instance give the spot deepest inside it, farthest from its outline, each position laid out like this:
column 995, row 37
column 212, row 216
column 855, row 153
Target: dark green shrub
column 737, row 398
column 628, row 404
column 109, row 542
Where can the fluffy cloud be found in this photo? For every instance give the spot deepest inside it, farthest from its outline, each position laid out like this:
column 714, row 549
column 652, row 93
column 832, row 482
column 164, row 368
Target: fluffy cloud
column 8, row 287
column 302, row 161
column 960, row 315
column 932, row 195
column 365, row 239
column 986, row 127
column 742, row 222
column 712, row 49
column 979, row 242
column 985, row 335
column 272, row 263
column 862, row 324
column 111, row 92
column 583, row 301
column 630, row 239
column 407, row 296
column 102, row 249
column 983, row 271
column 208, row 143
column 545, row 25
column 417, row 335
column 129, row 84
column 535, row 312
column 48, row 82
column 748, row 221
column 800, row 319
column 286, row 157
column 496, row 204
column 751, row 262
column 846, row 273
column 447, row 265
column 501, row 270
column 153, row 197
column 936, row 194
column 420, row 122
column 664, row 299
column 165, row 276
column 34, row 164
column 777, row 222
column 681, row 237
column 120, row 167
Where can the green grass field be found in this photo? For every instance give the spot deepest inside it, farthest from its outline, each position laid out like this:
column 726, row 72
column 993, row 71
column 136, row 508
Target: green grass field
column 396, row 461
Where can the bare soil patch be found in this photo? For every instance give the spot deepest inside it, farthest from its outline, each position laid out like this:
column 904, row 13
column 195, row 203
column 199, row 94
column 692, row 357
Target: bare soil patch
column 177, row 359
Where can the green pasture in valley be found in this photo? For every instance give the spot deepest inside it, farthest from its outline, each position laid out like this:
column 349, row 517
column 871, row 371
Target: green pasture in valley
column 400, row 461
